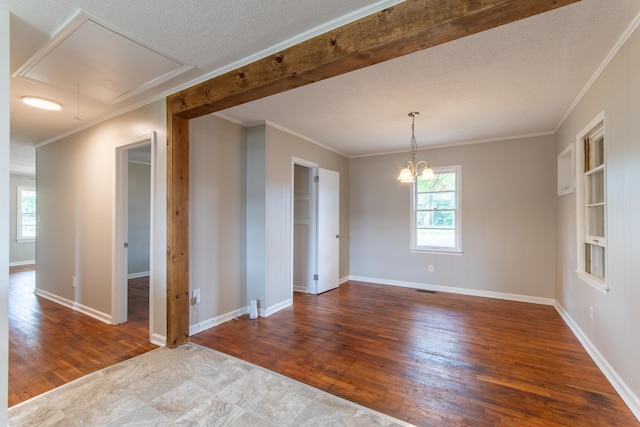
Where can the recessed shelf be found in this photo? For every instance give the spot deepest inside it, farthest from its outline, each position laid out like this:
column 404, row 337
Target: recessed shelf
column 566, row 171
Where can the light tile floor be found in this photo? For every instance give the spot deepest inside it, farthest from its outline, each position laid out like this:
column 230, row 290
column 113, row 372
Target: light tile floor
column 190, row 386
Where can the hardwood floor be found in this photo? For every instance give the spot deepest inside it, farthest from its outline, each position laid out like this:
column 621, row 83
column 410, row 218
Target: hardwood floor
column 431, row 358
column 50, row 345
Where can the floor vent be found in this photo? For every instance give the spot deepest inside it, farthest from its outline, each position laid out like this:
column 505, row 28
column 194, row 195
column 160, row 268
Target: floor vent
column 427, row 291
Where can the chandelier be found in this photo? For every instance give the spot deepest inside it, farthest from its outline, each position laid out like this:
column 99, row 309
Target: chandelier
column 411, row 169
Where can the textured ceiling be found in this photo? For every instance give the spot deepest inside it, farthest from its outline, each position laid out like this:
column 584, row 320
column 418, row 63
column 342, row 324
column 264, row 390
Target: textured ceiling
column 517, row 79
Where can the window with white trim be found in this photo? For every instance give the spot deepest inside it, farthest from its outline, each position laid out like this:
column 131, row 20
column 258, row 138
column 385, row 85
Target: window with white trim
column 436, row 211
column 591, row 209
column 26, row 215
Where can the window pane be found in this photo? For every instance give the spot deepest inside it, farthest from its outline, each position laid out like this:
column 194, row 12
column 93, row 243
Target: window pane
column 594, row 260
column 28, row 201
column 29, row 231
column 595, row 187
column 436, row 238
column 435, row 219
column 596, row 220
column 445, row 200
column 442, row 182
column 26, row 213
column 594, row 152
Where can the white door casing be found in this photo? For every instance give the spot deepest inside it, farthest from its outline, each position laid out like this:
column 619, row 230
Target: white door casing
column 120, row 229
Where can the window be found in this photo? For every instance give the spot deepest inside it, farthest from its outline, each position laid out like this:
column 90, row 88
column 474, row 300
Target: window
column 591, row 208
column 435, row 213
column 26, row 217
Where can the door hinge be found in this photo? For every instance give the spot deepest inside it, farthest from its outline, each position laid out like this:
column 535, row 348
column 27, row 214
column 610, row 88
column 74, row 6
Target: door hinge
column 126, row 244
column 315, row 277
column 316, row 178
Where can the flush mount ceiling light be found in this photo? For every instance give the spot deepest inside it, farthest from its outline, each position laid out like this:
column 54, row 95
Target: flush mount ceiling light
column 411, row 169
column 43, row 103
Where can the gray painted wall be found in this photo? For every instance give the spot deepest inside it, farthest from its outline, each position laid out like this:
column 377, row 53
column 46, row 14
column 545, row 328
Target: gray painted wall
column 19, row 252
column 217, row 204
column 614, row 331
column 75, row 203
column 241, row 214
column 281, row 147
column 508, row 219
column 138, row 205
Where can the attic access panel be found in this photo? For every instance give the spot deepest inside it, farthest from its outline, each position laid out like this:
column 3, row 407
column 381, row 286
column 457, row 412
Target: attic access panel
column 88, row 57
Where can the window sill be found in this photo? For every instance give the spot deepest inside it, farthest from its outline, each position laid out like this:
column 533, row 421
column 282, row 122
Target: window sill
column 597, row 284
column 436, row 252
column 25, row 240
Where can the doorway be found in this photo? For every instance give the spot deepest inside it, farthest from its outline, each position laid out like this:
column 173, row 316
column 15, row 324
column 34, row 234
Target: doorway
column 133, row 222
column 304, row 236
column 316, row 222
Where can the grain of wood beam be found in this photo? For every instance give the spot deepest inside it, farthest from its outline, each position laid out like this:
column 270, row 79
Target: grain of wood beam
column 399, row 30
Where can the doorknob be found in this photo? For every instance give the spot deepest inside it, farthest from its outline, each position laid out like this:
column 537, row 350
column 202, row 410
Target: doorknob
column 337, row 236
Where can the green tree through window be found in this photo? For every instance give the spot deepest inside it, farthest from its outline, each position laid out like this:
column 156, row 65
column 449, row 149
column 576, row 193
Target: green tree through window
column 26, row 213
column 436, row 211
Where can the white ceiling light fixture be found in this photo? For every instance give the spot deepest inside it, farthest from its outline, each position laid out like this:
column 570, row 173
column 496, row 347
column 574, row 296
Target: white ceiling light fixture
column 411, row 169
column 42, row 103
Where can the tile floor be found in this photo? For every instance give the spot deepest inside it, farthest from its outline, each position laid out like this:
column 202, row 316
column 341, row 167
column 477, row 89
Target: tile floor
column 190, row 386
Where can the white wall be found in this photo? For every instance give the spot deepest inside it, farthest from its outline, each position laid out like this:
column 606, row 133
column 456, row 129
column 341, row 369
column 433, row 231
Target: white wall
column 217, row 200
column 138, row 205
column 614, row 331
column 4, row 213
column 75, row 204
column 508, row 220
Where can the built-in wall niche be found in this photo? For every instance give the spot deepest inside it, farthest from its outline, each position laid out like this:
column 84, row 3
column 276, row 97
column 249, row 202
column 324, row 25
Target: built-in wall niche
column 566, row 171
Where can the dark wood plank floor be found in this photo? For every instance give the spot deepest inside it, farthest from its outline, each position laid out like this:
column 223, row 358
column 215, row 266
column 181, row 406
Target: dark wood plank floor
column 431, row 358
column 50, row 345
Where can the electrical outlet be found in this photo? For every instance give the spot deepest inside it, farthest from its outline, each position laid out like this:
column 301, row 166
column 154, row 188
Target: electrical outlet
column 73, row 281
column 195, row 296
column 591, row 313
column 431, row 269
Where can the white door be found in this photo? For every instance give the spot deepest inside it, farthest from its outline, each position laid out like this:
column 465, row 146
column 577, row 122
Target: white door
column 328, row 230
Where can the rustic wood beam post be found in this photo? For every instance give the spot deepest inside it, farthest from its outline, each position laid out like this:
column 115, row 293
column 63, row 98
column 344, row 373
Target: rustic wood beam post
column 177, row 230
column 399, row 30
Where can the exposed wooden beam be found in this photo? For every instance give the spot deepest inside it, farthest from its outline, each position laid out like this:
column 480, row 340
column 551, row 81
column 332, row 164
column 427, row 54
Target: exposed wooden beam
column 177, row 231
column 402, row 29
column 399, row 30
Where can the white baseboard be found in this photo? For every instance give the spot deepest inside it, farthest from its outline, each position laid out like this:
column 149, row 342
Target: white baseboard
column 158, row 340
column 137, row 275
column 210, row 323
column 300, row 289
column 218, row 320
column 103, row 317
column 276, row 308
column 627, row 395
column 453, row 290
column 343, row 280
column 20, row 263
